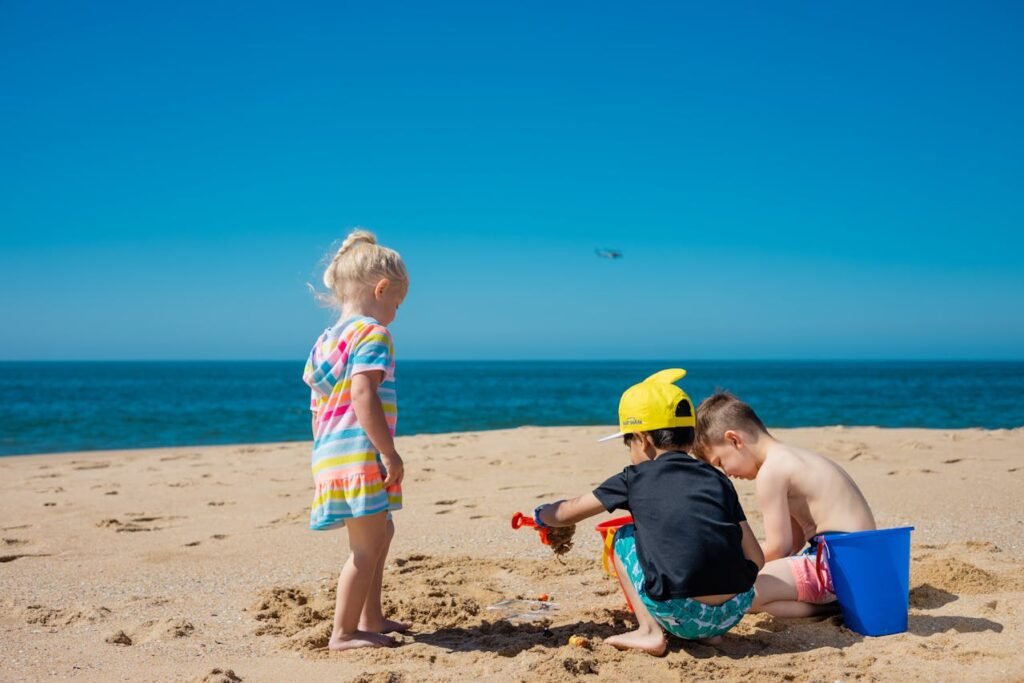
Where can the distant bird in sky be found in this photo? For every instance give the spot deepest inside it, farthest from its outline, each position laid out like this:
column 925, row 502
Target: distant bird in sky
column 609, row 253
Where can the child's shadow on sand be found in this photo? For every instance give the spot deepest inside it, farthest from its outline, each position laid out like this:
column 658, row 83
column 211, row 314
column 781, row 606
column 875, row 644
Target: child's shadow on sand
column 508, row 640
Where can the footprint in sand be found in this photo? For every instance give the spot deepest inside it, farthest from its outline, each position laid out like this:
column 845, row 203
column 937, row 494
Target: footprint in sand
column 952, row 461
column 134, row 524
column 290, row 518
column 15, row 541
column 78, row 465
column 442, row 512
column 446, row 502
column 12, row 558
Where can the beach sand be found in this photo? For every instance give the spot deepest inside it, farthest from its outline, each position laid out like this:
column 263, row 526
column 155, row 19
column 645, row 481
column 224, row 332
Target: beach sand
column 195, row 564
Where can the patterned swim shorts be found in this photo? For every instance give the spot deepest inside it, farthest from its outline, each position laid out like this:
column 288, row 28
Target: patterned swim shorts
column 812, row 575
column 682, row 617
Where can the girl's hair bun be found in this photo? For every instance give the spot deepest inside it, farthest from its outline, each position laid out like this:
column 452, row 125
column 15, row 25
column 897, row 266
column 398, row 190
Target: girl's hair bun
column 361, row 261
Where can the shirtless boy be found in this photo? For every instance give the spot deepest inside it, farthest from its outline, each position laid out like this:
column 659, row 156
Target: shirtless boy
column 802, row 494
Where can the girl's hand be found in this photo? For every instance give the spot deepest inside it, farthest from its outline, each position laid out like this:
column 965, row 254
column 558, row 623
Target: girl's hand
column 395, row 468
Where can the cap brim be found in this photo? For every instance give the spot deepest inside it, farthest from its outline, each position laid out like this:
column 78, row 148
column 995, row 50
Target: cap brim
column 613, row 436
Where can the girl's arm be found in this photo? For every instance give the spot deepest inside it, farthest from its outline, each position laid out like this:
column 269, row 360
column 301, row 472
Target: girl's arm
column 370, row 414
column 568, row 512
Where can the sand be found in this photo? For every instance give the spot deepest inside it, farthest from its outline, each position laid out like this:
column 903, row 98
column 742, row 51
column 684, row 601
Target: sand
column 195, row 564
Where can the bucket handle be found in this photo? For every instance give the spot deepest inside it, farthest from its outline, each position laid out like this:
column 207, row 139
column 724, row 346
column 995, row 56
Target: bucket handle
column 606, row 562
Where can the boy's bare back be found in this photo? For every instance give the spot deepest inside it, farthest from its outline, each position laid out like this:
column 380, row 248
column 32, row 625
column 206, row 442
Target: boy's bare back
column 802, row 493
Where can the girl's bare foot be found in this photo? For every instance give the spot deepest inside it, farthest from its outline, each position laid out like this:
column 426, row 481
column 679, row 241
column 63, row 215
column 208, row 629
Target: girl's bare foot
column 651, row 642
column 386, row 626
column 358, row 639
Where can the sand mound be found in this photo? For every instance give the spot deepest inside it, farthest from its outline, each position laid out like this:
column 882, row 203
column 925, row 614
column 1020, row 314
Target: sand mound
column 219, row 676
column 37, row 614
column 955, row 576
column 162, row 629
column 381, row 677
column 286, row 611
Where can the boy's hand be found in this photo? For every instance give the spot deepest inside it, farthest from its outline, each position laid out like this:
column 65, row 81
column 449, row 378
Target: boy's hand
column 395, row 468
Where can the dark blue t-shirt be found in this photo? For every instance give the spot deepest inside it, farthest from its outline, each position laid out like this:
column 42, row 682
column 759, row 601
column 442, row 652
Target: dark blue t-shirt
column 687, row 516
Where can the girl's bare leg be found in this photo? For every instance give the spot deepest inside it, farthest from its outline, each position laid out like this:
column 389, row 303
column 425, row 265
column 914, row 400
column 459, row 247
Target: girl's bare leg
column 648, row 636
column 367, row 539
column 372, row 616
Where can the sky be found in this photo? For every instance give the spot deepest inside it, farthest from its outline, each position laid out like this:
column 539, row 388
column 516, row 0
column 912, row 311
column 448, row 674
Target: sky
column 785, row 180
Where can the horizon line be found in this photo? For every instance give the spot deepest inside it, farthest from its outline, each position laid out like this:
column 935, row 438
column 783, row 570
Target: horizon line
column 894, row 359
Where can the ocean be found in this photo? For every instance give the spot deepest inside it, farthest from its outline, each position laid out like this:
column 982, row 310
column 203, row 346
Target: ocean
column 50, row 407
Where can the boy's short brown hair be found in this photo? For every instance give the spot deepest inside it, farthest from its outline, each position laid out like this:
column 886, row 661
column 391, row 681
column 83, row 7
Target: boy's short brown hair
column 719, row 413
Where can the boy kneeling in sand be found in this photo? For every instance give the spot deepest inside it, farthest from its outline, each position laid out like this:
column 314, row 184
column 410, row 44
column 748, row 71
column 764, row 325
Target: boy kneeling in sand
column 802, row 496
column 688, row 563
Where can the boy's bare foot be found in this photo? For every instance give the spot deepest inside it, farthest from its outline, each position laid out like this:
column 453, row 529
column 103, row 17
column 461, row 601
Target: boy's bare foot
column 387, row 626
column 358, row 639
column 713, row 640
column 651, row 642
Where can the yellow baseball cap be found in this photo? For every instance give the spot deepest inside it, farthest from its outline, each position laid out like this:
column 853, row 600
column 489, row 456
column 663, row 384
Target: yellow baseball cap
column 652, row 405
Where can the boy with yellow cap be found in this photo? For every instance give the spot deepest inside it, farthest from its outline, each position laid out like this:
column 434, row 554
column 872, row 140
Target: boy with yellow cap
column 688, row 562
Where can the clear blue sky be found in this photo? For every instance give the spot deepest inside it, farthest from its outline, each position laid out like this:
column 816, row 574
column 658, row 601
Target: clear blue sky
column 786, row 180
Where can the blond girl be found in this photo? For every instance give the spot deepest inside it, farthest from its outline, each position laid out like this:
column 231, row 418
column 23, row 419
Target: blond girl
column 356, row 469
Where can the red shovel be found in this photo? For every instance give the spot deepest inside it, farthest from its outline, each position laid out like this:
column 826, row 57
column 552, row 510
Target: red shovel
column 520, row 520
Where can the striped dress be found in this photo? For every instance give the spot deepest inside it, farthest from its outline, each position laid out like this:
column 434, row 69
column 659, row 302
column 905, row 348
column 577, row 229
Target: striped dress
column 347, row 469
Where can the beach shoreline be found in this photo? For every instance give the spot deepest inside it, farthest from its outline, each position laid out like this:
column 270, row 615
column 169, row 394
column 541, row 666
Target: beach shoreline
column 201, row 559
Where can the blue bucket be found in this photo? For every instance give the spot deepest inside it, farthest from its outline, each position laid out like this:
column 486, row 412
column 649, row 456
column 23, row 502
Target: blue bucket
column 871, row 575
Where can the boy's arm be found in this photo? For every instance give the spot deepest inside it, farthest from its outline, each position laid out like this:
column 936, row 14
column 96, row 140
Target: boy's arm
column 751, row 548
column 798, row 536
column 568, row 512
column 773, row 497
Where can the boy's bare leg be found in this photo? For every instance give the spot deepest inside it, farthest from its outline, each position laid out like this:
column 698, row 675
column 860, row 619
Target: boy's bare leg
column 367, row 540
column 372, row 616
column 648, row 636
column 777, row 594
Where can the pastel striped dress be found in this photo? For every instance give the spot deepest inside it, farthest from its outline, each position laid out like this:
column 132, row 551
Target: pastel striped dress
column 347, row 469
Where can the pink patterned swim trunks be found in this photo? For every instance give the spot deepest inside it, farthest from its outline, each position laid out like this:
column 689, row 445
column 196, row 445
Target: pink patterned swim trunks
column 810, row 586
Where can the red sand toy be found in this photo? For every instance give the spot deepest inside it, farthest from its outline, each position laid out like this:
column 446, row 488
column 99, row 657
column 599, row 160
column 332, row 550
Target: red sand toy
column 559, row 539
column 520, row 520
